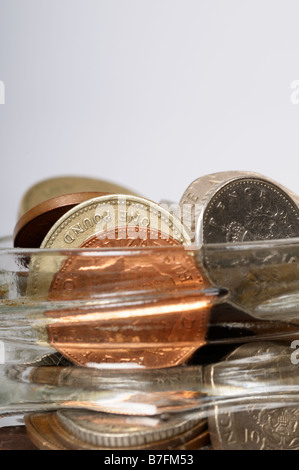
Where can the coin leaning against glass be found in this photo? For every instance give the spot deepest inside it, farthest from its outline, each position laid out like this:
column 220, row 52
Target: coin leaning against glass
column 265, row 420
column 61, row 185
column 100, row 216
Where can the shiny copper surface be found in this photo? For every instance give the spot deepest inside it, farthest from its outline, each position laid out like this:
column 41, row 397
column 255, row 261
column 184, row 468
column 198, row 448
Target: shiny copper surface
column 161, row 332
column 32, row 226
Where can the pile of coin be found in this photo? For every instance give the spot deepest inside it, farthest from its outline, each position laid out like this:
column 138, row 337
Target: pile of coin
column 112, row 219
column 175, row 286
column 218, row 209
column 246, row 408
column 91, row 430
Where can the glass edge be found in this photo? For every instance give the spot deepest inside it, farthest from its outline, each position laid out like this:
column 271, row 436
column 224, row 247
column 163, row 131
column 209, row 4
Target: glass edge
column 227, row 246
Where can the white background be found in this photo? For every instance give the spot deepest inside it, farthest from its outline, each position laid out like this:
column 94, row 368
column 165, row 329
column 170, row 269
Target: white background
column 150, row 94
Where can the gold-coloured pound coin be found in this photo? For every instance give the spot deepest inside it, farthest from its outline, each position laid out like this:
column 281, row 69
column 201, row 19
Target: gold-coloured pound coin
column 59, row 186
column 102, row 217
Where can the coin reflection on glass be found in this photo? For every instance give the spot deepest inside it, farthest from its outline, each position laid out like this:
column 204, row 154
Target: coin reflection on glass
column 178, row 379
column 158, row 333
column 266, row 417
column 62, row 185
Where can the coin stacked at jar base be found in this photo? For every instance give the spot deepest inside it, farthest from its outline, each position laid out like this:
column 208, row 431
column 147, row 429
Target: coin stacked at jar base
column 90, row 430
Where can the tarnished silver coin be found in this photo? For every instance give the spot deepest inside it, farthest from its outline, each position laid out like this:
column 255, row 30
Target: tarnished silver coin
column 240, row 209
column 236, row 206
column 116, row 431
column 249, row 209
column 264, row 414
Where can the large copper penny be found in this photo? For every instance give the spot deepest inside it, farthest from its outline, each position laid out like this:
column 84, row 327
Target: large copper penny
column 33, row 226
column 158, row 331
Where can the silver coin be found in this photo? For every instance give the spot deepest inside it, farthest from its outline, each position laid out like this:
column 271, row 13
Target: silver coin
column 249, row 209
column 108, row 430
column 217, row 212
column 234, row 208
column 267, row 415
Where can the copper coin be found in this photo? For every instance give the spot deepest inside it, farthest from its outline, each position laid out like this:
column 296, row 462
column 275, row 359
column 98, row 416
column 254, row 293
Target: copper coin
column 199, row 441
column 61, row 185
column 33, row 226
column 161, row 332
column 47, row 432
column 40, row 432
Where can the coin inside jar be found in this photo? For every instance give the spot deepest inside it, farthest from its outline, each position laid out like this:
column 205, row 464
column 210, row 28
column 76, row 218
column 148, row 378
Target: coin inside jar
column 249, row 209
column 103, row 215
column 107, row 430
column 158, row 333
column 266, row 416
column 80, row 429
column 163, row 330
column 234, row 208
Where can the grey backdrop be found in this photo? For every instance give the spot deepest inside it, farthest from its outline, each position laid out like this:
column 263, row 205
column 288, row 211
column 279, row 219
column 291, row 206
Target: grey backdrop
column 150, row 94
